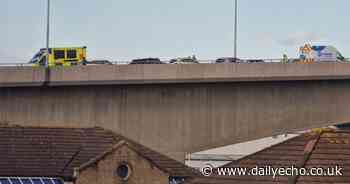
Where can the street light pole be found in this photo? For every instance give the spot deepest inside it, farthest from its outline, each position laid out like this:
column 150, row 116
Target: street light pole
column 235, row 30
column 47, row 33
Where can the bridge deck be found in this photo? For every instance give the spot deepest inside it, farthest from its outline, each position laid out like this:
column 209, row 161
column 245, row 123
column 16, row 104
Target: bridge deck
column 153, row 74
column 257, row 100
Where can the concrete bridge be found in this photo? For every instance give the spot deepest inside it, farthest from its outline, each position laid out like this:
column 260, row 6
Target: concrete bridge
column 177, row 109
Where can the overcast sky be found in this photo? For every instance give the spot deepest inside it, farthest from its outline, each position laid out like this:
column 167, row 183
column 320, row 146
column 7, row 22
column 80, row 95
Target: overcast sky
column 122, row 30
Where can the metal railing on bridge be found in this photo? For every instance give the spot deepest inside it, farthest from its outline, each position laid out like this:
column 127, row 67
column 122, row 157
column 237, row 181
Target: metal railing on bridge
column 15, row 64
column 208, row 61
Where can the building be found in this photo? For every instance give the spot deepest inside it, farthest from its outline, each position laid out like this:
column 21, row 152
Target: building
column 129, row 162
column 323, row 148
column 37, row 155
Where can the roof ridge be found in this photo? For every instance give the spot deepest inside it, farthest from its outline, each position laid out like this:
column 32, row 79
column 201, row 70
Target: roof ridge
column 134, row 144
column 137, row 147
column 71, row 160
column 98, row 157
column 308, row 149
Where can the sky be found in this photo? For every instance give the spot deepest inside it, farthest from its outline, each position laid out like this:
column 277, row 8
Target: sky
column 123, row 30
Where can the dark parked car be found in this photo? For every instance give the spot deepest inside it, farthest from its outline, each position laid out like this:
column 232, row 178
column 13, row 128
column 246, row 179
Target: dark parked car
column 228, row 60
column 185, row 60
column 255, row 61
column 147, row 61
column 97, row 62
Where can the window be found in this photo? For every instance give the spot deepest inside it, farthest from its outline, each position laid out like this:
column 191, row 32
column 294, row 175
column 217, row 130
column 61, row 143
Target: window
column 59, row 54
column 123, row 171
column 71, row 54
column 36, row 57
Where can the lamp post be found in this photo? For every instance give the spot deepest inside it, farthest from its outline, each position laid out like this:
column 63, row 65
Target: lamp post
column 47, row 34
column 235, row 30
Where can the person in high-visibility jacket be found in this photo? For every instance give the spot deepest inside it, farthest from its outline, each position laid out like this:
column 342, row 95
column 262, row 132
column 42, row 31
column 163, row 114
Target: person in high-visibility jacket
column 285, row 58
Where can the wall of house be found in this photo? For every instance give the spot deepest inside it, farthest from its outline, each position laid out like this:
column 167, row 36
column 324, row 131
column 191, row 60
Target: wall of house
column 104, row 171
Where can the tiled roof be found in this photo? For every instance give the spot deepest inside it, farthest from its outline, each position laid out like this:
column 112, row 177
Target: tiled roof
column 53, row 152
column 168, row 165
column 332, row 149
column 328, row 148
